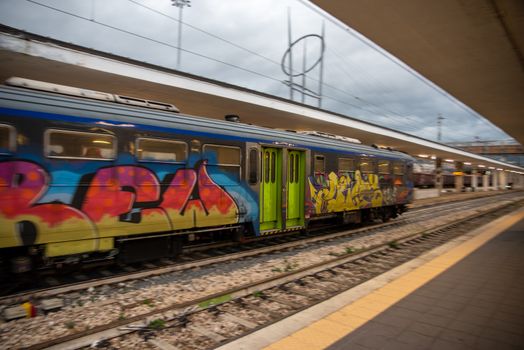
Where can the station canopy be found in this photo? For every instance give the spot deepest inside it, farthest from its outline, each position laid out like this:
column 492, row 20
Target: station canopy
column 474, row 50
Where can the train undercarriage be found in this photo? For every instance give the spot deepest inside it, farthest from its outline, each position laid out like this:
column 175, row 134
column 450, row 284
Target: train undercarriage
column 138, row 248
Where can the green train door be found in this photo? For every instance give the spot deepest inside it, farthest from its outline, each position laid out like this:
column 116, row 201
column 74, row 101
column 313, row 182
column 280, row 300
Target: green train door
column 271, row 191
column 296, row 172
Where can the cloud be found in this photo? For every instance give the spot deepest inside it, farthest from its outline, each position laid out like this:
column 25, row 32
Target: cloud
column 359, row 82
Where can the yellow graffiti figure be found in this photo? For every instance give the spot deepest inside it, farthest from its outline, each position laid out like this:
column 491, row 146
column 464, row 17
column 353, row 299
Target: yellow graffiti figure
column 341, row 193
column 377, row 196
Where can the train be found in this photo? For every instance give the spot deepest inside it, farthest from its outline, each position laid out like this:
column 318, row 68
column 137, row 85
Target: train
column 424, row 175
column 88, row 175
column 428, row 180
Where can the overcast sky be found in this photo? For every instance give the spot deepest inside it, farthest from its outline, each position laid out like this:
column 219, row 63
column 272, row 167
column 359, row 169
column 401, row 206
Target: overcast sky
column 242, row 42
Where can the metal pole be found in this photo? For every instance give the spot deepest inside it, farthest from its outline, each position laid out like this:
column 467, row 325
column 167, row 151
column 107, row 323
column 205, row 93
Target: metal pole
column 180, row 4
column 321, row 74
column 290, row 54
column 178, row 57
column 304, row 70
column 439, row 125
column 92, row 10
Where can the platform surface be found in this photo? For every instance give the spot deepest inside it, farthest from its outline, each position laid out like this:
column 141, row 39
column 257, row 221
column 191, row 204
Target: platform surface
column 477, row 303
column 467, row 294
column 452, row 196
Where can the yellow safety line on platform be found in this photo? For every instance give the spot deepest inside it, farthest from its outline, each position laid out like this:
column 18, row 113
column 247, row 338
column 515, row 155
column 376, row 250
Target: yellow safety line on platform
column 327, row 331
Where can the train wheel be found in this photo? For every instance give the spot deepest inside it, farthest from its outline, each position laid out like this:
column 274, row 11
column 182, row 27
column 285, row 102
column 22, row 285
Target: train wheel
column 385, row 215
column 389, row 213
column 366, row 215
column 238, row 234
column 177, row 244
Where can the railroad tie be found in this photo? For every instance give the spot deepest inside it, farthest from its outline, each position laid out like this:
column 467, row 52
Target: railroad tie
column 239, row 320
column 263, row 311
column 162, row 344
column 338, row 282
column 347, row 274
column 327, row 289
column 306, row 294
column 207, row 333
column 282, row 301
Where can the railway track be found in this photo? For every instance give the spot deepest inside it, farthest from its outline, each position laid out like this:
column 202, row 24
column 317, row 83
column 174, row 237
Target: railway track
column 96, row 275
column 195, row 257
column 253, row 305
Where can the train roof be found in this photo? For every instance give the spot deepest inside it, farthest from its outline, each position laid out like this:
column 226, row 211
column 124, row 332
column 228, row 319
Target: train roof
column 125, row 115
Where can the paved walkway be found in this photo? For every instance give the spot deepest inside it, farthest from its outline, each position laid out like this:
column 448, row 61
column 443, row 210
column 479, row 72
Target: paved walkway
column 446, row 197
column 476, row 304
column 467, row 294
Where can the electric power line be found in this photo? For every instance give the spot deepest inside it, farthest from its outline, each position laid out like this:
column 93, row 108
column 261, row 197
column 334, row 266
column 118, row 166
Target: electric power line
column 205, row 32
column 380, row 108
column 263, row 57
column 153, row 40
column 92, row 20
column 191, row 52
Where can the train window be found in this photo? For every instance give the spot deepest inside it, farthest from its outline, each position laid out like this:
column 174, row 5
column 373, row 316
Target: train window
column 266, row 168
column 222, row 155
column 398, row 169
column 273, row 168
column 319, row 164
column 409, row 171
column 297, row 167
column 81, row 145
column 345, row 166
column 223, row 160
column 383, row 167
column 292, row 169
column 319, row 167
column 253, row 166
column 157, row 150
column 398, row 172
column 195, row 146
column 366, row 166
column 7, row 139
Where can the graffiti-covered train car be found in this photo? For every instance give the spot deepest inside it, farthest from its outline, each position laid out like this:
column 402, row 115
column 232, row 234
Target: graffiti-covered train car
column 104, row 176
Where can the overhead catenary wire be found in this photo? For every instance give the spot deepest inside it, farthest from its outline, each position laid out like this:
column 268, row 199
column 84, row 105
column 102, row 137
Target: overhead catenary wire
column 153, row 40
column 361, row 82
column 363, row 105
column 235, row 45
column 389, row 113
column 380, row 108
column 341, row 67
column 190, row 52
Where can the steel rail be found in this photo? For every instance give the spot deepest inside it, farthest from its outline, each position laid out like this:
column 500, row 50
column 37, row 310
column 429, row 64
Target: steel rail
column 76, row 286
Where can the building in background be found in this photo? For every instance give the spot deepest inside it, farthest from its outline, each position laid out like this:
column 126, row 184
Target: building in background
column 505, row 151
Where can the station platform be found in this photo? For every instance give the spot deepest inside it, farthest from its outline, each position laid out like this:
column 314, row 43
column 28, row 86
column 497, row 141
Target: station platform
column 452, row 196
column 465, row 294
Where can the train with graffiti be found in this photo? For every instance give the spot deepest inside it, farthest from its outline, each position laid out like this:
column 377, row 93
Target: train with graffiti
column 88, row 175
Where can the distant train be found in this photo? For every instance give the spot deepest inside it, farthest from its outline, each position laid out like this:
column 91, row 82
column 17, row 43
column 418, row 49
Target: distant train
column 87, row 175
column 427, row 180
column 422, row 180
column 424, row 175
